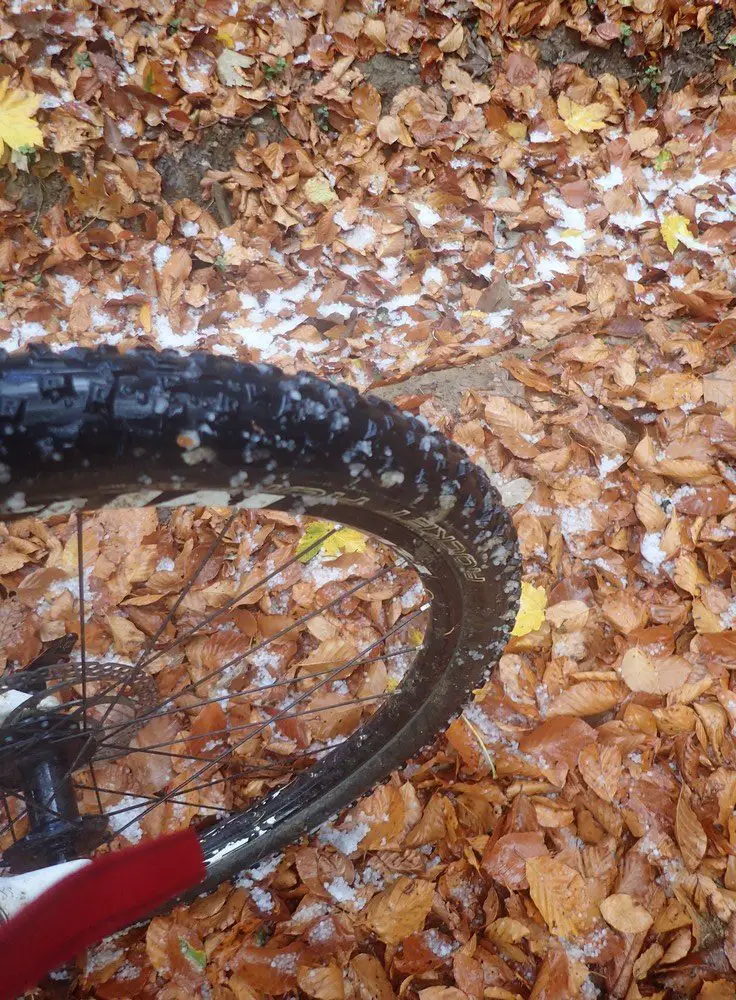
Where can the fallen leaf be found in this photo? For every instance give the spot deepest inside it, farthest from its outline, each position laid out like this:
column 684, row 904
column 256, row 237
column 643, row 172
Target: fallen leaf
column 561, row 896
column 17, row 126
column 401, row 910
column 675, row 229
column 691, row 837
column 531, row 609
column 654, row 676
column 453, row 40
column 624, row 914
column 581, row 118
column 321, row 536
column 318, row 191
column 229, row 64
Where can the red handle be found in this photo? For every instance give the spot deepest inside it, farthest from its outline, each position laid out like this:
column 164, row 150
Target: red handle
column 110, row 893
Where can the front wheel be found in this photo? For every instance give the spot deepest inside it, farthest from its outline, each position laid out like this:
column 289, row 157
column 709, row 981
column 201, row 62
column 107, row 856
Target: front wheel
column 245, row 459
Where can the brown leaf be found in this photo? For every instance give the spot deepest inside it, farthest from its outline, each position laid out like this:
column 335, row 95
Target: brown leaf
column 654, row 676
column 324, row 982
column 729, row 942
column 558, row 742
column 366, row 103
column 561, row 896
column 453, row 40
column 512, row 425
column 391, row 129
column 401, row 910
column 505, row 861
column 372, row 981
column 623, row 913
column 691, row 837
column 586, row 699
column 600, row 766
column 387, row 814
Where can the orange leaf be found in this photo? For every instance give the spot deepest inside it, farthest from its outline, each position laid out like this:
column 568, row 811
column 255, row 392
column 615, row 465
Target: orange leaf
column 561, row 896
column 401, row 910
column 691, row 837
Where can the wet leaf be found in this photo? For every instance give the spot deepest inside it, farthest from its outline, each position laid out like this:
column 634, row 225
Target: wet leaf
column 675, row 229
column 401, row 910
column 561, row 896
column 581, row 118
column 531, row 609
column 623, row 913
column 691, row 837
column 18, row 127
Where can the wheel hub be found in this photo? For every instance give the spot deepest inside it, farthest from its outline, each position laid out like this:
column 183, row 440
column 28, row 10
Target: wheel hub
column 58, row 725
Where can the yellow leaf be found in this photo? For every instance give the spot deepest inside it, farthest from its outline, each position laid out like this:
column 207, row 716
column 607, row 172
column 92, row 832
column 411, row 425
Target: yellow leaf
column 145, row 316
column 416, row 636
column 675, row 229
column 17, row 127
column 579, row 117
column 322, row 536
column 531, row 609
column 517, row 130
column 226, row 38
column 318, row 191
column 344, row 540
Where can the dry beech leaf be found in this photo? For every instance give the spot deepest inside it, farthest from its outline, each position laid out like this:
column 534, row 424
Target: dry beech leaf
column 600, row 766
column 648, row 511
column 514, row 427
column 653, row 676
column 568, row 616
column 691, row 837
column 452, row 41
column 323, row 982
column 561, row 896
column 372, row 981
column 625, row 612
column 401, row 910
column 623, row 913
column 678, row 947
column 391, row 129
column 729, row 942
column 586, row 699
column 370, row 978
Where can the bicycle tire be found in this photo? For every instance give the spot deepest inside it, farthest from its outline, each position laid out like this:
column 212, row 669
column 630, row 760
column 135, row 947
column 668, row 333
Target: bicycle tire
column 93, row 428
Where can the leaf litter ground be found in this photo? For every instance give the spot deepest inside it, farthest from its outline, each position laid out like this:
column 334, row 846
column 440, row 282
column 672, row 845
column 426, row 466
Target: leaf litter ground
column 572, row 834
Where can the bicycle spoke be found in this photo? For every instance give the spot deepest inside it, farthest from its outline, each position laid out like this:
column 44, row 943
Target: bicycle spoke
column 218, row 611
column 258, row 726
column 276, row 684
column 140, row 663
column 193, row 685
column 157, row 802
column 285, row 697
column 11, row 821
column 285, row 713
column 95, row 786
column 146, row 717
column 244, row 593
column 82, row 623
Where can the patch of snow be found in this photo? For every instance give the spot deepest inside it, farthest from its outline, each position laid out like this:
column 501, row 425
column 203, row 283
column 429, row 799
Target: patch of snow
column 426, row 216
column 651, row 549
column 345, row 841
column 614, row 178
column 340, row 891
column 161, row 255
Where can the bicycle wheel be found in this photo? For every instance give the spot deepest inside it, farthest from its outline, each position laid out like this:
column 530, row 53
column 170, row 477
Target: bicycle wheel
column 93, row 441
